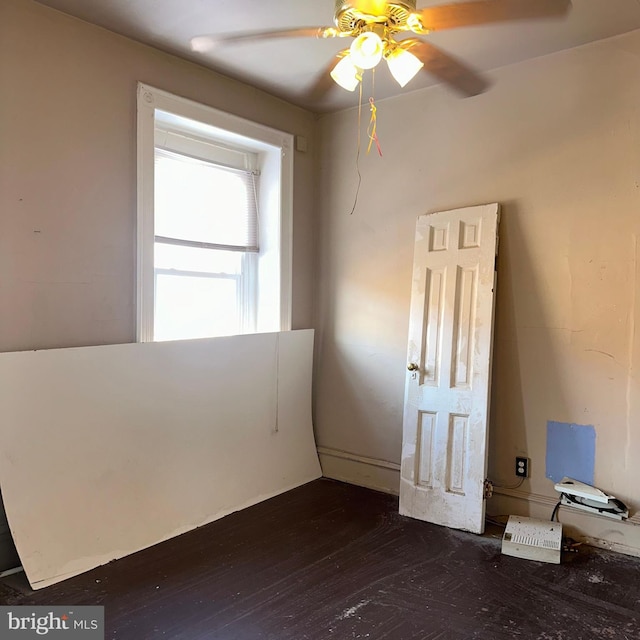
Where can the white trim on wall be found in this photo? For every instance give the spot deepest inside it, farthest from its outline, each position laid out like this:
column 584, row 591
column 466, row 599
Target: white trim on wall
column 277, row 148
column 597, row 531
column 145, row 200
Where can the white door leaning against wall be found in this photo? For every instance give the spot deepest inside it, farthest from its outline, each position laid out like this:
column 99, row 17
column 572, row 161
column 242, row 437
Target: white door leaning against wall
column 446, row 409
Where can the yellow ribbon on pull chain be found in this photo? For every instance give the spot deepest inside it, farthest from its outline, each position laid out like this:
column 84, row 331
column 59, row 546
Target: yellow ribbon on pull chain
column 371, row 131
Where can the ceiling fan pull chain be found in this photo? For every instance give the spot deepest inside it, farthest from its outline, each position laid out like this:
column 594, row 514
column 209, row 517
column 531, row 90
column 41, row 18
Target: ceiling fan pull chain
column 371, row 131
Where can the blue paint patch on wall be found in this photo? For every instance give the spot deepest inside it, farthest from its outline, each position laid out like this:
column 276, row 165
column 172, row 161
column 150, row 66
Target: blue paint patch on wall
column 571, row 451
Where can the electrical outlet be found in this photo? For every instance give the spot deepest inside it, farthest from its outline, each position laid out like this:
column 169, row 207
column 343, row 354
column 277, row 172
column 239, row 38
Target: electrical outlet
column 522, row 467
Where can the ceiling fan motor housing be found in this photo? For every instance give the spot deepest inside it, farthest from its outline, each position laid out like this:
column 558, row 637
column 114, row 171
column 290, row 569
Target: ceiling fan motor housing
column 349, row 13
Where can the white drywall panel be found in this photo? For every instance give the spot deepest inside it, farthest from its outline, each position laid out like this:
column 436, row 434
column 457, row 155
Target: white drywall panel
column 108, row 450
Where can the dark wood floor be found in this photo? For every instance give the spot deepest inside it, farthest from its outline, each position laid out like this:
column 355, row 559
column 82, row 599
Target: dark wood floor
column 330, row 560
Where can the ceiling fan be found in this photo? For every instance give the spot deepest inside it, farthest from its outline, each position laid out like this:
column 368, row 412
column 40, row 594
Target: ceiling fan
column 379, row 30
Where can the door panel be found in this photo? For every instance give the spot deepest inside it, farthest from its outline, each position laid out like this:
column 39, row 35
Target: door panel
column 444, row 453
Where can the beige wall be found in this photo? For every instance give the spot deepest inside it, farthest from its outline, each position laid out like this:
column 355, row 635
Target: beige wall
column 68, row 175
column 555, row 140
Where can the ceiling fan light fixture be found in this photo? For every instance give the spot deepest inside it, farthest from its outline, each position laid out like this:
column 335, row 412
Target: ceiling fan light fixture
column 366, row 50
column 403, row 65
column 346, row 74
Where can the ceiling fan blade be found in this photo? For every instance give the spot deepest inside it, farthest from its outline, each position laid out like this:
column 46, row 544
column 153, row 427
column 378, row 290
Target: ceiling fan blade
column 208, row 42
column 476, row 12
column 323, row 83
column 448, row 69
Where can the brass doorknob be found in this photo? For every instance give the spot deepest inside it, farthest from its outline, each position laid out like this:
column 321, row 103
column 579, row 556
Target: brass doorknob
column 412, row 366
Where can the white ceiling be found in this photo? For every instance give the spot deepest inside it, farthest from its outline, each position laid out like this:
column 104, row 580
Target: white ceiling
column 289, row 68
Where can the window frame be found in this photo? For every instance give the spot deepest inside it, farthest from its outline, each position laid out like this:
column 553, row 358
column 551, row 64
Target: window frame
column 276, row 147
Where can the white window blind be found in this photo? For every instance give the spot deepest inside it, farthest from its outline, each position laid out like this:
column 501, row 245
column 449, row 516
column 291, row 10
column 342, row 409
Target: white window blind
column 204, row 204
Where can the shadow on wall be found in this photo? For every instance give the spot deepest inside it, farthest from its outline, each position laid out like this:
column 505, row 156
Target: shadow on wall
column 361, row 349
column 527, row 388
column 361, row 384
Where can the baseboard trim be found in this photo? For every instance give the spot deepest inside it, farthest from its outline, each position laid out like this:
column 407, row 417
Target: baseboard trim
column 536, row 498
column 597, row 531
column 10, row 572
column 372, row 473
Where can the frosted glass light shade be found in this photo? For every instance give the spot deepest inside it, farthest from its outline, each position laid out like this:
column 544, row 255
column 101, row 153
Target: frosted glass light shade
column 366, row 50
column 346, row 74
column 403, row 65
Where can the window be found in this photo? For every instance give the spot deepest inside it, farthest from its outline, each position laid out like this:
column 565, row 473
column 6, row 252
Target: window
column 214, row 222
column 206, row 241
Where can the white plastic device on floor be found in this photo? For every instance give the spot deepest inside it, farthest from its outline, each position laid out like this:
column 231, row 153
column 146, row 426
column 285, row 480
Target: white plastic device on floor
column 533, row 539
